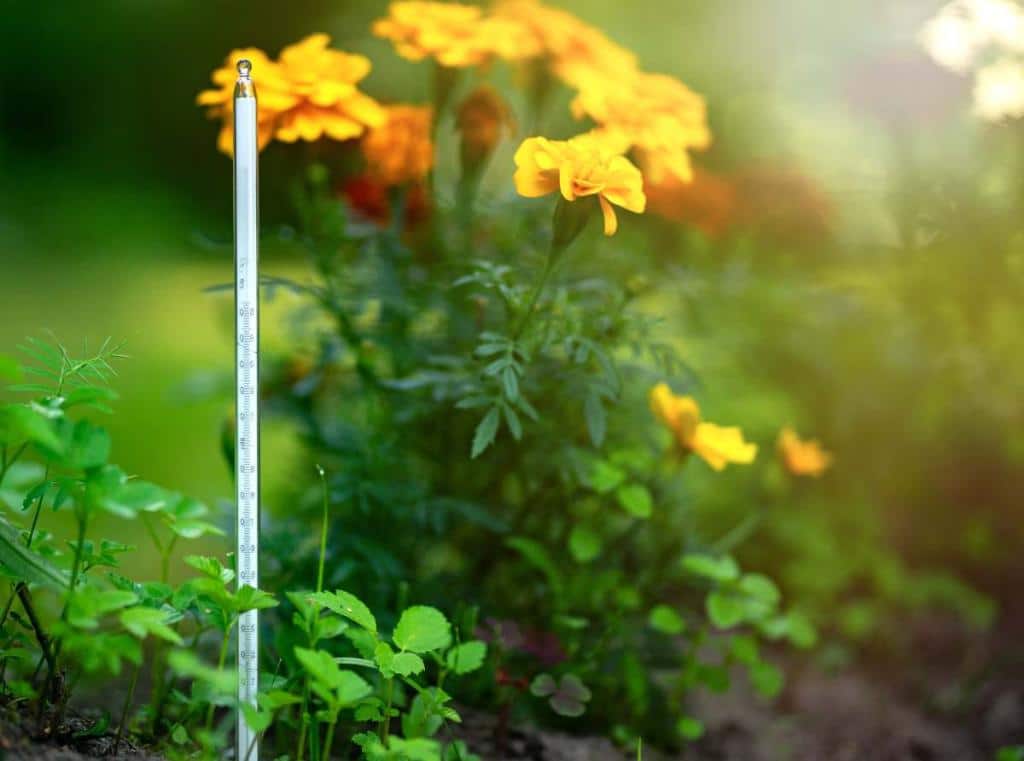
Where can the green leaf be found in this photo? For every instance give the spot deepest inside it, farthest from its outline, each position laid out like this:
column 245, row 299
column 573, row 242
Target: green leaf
column 761, row 589
column 584, row 544
column 89, row 604
column 407, row 664
column 766, row 678
column 249, row 598
column 258, row 720
column 210, row 567
column 666, row 620
column 27, row 565
column 486, row 430
column 543, row 685
column 186, row 664
column 421, row 629
column 605, row 477
column 20, row 423
column 635, row 500
column 145, row 621
column 132, row 497
column 467, row 657
column 596, row 419
column 88, row 446
column 721, row 569
column 744, row 649
column 347, row 605
column 535, row 553
column 690, row 728
column 725, row 610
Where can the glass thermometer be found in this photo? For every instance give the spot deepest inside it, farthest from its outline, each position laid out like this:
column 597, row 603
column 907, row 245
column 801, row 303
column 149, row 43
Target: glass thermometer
column 247, row 420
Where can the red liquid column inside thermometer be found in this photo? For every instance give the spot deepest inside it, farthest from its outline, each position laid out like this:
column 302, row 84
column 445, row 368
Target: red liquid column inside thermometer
column 247, row 420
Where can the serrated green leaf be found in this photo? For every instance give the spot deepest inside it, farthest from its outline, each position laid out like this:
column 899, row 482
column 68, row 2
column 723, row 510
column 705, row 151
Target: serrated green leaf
column 348, row 605
column 421, row 629
column 467, row 657
column 485, row 433
column 145, row 621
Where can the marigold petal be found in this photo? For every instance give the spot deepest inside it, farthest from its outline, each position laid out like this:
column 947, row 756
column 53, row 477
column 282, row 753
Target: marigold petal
column 611, row 222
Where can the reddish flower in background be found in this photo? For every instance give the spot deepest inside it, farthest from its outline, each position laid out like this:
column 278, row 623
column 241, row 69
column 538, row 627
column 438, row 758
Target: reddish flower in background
column 708, row 202
column 368, row 196
column 784, row 205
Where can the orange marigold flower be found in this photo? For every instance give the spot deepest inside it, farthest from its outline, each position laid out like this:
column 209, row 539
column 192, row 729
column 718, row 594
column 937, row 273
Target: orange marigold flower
column 582, row 166
column 708, row 202
column 400, row 150
column 453, row 34
column 802, row 458
column 717, row 445
column 323, row 83
column 576, row 50
column 656, row 114
column 482, row 119
column 309, row 92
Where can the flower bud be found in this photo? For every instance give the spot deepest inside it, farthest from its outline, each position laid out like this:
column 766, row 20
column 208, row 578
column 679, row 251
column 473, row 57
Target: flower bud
column 481, row 119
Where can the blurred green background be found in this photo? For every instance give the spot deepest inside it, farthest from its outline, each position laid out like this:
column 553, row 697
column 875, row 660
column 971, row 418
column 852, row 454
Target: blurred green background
column 115, row 216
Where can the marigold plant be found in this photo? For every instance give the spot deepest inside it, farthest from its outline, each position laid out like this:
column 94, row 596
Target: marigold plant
column 716, row 445
column 579, row 168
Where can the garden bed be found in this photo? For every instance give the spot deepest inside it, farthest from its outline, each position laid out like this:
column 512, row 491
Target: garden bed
column 849, row 717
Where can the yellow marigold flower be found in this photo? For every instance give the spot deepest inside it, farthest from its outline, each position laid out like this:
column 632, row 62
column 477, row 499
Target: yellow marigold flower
column 802, row 458
column 453, row 34
column 576, row 50
column 327, row 101
column 273, row 93
column 717, row 445
column 582, row 166
column 657, row 114
column 400, row 150
column 306, row 94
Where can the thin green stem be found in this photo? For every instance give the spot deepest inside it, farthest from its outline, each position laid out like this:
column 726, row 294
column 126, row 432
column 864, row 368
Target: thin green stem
column 329, row 737
column 534, row 296
column 127, row 705
column 220, row 667
column 385, row 724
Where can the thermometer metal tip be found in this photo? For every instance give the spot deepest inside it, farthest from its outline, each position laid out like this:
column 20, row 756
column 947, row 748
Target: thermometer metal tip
column 244, row 87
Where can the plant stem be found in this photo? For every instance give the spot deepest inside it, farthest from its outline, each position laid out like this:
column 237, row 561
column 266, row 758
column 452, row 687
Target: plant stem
column 220, row 667
column 44, row 641
column 385, row 724
column 303, row 723
column 528, row 313
column 127, row 705
column 329, row 738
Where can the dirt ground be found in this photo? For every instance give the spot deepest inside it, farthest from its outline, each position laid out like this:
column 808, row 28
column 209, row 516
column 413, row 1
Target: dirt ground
column 949, row 706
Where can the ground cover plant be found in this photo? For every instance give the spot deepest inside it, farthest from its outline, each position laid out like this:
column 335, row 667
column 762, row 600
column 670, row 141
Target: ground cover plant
column 569, row 413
